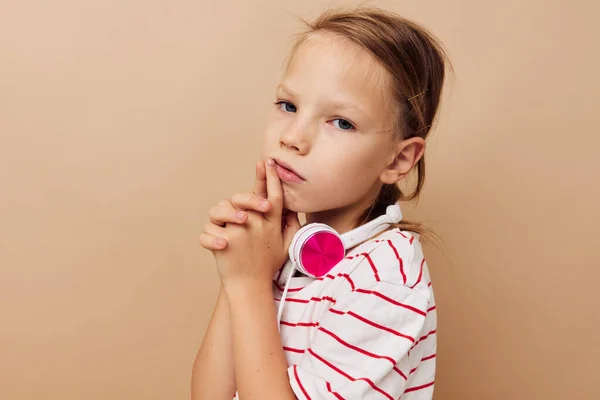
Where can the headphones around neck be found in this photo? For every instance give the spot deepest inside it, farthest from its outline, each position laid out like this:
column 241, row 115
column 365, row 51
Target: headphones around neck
column 316, row 248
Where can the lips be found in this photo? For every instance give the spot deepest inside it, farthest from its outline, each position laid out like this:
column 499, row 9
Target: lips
column 287, row 173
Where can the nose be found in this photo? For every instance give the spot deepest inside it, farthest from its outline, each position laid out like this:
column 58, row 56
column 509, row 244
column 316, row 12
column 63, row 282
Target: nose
column 297, row 138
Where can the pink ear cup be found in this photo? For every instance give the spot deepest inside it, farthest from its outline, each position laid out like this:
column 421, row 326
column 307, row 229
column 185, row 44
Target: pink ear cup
column 320, row 253
column 316, row 249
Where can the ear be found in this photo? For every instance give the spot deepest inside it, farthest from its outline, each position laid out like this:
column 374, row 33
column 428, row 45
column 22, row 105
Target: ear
column 406, row 155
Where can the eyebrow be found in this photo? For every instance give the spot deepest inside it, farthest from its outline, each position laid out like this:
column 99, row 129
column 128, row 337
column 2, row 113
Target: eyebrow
column 350, row 107
column 285, row 89
column 337, row 104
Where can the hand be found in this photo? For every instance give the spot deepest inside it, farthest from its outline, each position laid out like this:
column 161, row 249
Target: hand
column 258, row 248
column 233, row 210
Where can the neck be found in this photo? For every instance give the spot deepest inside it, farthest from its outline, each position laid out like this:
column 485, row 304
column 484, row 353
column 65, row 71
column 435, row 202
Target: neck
column 342, row 219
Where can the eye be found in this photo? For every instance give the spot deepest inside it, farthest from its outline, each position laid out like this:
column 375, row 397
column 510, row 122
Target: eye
column 286, row 106
column 343, row 124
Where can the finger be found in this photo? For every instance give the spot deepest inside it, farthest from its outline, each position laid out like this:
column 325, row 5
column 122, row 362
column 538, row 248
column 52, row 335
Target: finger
column 260, row 183
column 274, row 191
column 292, row 225
column 214, row 230
column 250, row 201
column 212, row 243
column 221, row 215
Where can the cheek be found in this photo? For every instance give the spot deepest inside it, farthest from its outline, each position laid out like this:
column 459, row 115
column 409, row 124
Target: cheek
column 270, row 138
column 273, row 130
column 349, row 171
column 361, row 159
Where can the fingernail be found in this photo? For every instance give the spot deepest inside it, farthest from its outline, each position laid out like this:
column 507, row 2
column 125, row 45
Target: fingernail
column 265, row 204
column 220, row 242
column 239, row 215
column 270, row 162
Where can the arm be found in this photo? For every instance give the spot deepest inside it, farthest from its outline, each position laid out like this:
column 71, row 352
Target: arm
column 213, row 374
column 213, row 377
column 246, row 268
column 260, row 365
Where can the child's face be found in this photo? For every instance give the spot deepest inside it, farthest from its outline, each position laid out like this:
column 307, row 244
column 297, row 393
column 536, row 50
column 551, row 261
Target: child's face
column 333, row 125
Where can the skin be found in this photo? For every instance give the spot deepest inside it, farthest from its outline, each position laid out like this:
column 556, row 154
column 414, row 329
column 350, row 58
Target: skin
column 332, row 123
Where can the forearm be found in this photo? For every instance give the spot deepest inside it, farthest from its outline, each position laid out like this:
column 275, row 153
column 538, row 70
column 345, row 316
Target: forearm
column 260, row 364
column 213, row 376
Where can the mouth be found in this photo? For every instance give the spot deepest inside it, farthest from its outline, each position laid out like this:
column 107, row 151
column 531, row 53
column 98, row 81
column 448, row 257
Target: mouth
column 286, row 173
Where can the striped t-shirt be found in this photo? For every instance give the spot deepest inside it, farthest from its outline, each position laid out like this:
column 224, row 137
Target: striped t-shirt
column 367, row 330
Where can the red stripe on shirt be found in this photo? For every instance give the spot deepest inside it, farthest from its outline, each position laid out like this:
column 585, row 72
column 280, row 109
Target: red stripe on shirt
column 423, row 338
column 400, row 372
column 293, row 300
column 390, row 300
column 339, row 371
column 355, row 348
column 422, row 359
column 304, row 301
column 290, row 290
column 374, row 324
column 329, row 276
column 367, row 353
column 334, row 393
column 431, row 309
column 368, row 257
column 306, row 324
column 293, row 350
column 420, row 275
column 348, row 279
column 300, row 383
column 400, row 262
column 415, row 388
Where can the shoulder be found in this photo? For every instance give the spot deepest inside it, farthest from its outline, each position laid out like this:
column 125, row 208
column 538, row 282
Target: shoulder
column 394, row 257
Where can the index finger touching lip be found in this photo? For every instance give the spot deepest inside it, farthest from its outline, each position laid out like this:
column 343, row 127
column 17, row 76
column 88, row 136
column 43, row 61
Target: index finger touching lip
column 274, row 189
column 260, row 183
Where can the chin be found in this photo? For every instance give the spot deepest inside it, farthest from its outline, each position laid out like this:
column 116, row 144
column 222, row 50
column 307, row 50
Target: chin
column 291, row 205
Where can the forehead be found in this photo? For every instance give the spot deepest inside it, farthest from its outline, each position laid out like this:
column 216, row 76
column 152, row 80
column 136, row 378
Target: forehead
column 328, row 62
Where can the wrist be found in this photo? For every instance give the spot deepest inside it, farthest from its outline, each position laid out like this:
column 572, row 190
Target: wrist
column 248, row 290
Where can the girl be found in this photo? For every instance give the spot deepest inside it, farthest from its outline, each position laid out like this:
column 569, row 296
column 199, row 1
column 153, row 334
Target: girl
column 352, row 111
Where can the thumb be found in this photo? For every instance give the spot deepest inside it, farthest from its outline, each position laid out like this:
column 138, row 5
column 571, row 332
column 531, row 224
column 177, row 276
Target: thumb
column 292, row 225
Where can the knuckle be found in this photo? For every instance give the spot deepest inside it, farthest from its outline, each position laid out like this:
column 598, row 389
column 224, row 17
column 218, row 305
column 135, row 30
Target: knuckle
column 257, row 199
column 235, row 199
column 204, row 240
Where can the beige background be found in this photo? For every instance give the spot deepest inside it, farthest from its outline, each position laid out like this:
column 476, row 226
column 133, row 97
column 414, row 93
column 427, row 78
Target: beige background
column 122, row 122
